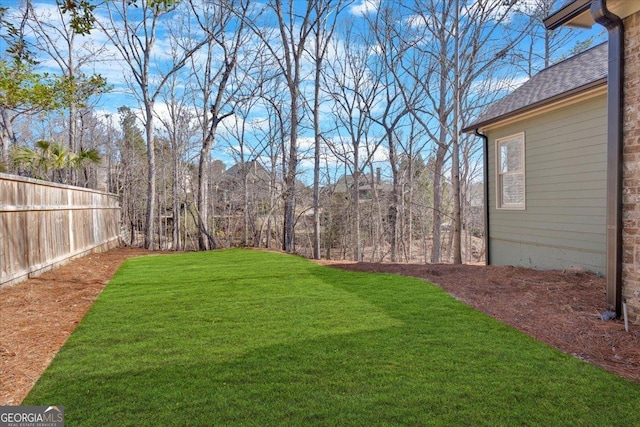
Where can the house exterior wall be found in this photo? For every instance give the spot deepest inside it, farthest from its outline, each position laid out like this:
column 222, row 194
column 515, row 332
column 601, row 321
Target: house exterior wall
column 564, row 221
column 631, row 159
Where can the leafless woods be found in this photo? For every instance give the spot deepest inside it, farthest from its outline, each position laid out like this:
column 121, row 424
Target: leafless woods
column 326, row 128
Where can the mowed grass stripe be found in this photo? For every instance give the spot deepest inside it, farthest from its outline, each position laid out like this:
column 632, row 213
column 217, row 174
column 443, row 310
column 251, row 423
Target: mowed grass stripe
column 242, row 337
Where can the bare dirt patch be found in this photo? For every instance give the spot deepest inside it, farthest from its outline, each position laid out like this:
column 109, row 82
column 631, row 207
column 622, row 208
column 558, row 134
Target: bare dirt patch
column 560, row 309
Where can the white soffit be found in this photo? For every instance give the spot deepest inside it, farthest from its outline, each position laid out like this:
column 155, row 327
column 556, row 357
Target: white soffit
column 621, row 8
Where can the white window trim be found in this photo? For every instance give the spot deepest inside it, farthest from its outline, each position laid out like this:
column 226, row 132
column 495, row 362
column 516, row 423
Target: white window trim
column 511, row 206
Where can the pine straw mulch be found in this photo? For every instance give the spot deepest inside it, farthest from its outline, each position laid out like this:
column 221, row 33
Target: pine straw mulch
column 38, row 315
column 560, row 309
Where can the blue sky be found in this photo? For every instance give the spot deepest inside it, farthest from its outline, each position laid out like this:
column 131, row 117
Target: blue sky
column 105, row 61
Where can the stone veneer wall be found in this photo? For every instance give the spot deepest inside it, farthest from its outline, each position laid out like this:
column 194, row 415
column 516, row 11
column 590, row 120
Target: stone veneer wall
column 631, row 156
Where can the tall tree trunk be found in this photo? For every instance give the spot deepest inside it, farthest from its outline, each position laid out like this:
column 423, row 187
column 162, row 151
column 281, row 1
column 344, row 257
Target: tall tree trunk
column 245, row 197
column 379, row 252
column 73, row 110
column 356, row 209
column 455, row 145
column 410, row 210
column 436, row 246
column 6, row 135
column 151, row 187
column 290, row 181
column 457, row 218
column 175, row 235
column 316, row 154
column 206, row 239
column 202, row 202
column 395, row 196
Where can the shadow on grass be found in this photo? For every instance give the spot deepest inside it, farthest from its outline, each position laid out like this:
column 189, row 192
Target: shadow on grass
column 355, row 379
column 412, row 356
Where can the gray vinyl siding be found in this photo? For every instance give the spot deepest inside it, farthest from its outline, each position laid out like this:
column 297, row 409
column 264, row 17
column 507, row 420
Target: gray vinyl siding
column 564, row 222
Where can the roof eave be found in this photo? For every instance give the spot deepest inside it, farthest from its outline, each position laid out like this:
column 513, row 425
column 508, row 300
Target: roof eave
column 578, row 14
column 602, row 82
column 566, row 14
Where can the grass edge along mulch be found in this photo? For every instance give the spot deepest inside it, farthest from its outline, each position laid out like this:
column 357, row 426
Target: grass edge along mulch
column 242, row 337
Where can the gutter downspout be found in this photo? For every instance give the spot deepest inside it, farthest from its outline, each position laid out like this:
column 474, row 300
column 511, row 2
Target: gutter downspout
column 615, row 141
column 485, row 155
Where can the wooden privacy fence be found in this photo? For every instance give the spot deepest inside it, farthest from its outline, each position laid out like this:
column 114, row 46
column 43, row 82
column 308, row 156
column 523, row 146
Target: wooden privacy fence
column 43, row 224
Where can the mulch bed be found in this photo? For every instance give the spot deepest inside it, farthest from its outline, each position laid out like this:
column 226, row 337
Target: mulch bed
column 39, row 314
column 560, row 309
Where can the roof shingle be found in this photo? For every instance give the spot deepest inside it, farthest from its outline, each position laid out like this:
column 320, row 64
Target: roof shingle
column 581, row 70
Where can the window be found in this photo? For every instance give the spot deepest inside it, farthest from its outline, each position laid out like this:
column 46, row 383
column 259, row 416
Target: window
column 510, row 172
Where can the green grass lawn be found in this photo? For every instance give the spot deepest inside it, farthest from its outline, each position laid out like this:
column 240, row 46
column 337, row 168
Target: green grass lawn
column 243, row 337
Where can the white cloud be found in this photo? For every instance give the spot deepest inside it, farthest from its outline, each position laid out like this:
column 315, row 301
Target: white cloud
column 364, row 7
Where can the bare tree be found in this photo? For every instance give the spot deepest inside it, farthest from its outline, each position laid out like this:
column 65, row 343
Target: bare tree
column 463, row 42
column 399, row 97
column 129, row 169
column 323, row 31
column 132, row 29
column 413, row 180
column 254, row 179
column 179, row 125
column 287, row 45
column 354, row 91
column 218, row 84
column 540, row 46
column 273, row 137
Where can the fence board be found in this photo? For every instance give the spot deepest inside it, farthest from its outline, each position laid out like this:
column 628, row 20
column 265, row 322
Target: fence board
column 43, row 224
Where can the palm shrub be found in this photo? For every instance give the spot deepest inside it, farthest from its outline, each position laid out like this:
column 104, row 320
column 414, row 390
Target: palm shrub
column 48, row 160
